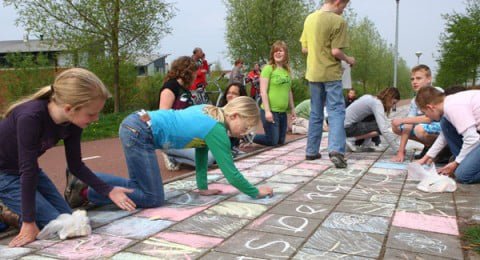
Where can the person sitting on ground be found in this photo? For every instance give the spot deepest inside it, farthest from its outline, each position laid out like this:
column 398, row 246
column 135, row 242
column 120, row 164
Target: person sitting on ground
column 300, row 124
column 460, row 133
column 366, row 106
column 416, row 126
column 236, row 75
column 203, row 127
column 175, row 94
column 232, row 91
column 350, row 97
column 35, row 124
column 277, row 96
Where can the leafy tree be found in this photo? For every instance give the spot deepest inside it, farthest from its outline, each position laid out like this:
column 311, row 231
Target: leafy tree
column 117, row 29
column 254, row 25
column 459, row 56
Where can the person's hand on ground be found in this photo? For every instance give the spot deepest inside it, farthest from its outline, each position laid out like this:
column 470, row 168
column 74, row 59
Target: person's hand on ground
column 119, row 197
column 209, row 192
column 400, row 157
column 28, row 233
column 448, row 169
column 264, row 191
column 425, row 160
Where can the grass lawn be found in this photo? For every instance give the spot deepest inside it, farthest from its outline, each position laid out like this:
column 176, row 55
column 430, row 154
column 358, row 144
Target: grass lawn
column 472, row 238
column 105, row 127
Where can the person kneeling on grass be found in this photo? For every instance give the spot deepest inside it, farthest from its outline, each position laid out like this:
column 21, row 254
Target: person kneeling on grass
column 459, row 116
column 367, row 106
column 203, row 127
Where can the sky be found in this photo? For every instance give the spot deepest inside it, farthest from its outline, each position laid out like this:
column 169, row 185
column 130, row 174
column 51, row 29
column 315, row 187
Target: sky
column 202, row 24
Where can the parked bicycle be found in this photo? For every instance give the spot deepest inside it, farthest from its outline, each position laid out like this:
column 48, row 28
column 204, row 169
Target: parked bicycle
column 202, row 96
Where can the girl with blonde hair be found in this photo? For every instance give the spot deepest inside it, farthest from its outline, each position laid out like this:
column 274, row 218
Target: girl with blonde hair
column 277, row 96
column 35, row 124
column 203, row 127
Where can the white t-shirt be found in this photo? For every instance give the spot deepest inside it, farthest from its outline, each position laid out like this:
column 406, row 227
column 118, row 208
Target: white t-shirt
column 463, row 110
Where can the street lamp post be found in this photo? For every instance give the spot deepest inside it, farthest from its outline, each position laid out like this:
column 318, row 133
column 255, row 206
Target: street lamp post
column 418, row 53
column 395, row 62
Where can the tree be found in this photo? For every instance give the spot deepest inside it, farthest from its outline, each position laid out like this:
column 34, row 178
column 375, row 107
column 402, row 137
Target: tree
column 459, row 56
column 254, row 25
column 117, row 29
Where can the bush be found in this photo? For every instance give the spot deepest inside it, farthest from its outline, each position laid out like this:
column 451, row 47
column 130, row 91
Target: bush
column 300, row 90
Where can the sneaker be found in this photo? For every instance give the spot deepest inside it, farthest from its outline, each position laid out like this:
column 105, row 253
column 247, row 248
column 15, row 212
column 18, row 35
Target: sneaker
column 73, row 189
column 420, row 155
column 338, row 160
column 8, row 217
column 170, row 164
column 237, row 152
column 313, row 157
column 351, row 145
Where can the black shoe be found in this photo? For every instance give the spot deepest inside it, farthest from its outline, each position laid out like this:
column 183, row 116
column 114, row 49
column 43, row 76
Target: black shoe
column 313, row 157
column 376, row 140
column 73, row 189
column 8, row 217
column 420, row 155
column 338, row 160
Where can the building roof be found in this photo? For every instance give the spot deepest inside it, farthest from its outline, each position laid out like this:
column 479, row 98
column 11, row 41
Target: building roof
column 29, row 46
column 145, row 59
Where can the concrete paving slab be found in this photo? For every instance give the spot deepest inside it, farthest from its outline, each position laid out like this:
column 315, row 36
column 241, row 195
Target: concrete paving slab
column 302, row 209
column 265, row 201
column 171, row 212
column 285, row 224
column 286, row 178
column 260, row 244
column 310, row 253
column 210, row 225
column 225, row 256
column 367, row 208
column 237, row 209
column 105, row 215
column 316, row 197
column 133, row 256
column 13, row 252
column 425, row 243
column 317, row 186
column 422, row 206
column 133, row 227
column 391, row 253
column 294, row 171
column 357, row 222
column 346, row 242
column 195, row 199
column 438, row 224
column 373, row 195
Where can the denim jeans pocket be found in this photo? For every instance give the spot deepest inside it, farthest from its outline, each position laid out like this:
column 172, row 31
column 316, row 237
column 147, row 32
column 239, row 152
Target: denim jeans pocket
column 128, row 135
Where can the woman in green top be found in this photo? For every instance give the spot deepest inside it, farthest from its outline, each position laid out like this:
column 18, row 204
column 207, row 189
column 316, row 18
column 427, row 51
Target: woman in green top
column 276, row 92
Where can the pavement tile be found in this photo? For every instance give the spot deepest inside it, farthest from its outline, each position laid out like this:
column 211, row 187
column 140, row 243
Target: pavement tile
column 175, row 245
column 282, row 188
column 423, row 206
column 186, row 185
column 390, row 165
column 94, row 246
column 316, row 197
column 36, row 257
column 367, row 208
column 336, row 178
column 252, row 180
column 133, row 227
column 357, row 222
column 195, row 199
column 223, row 256
column 285, row 224
column 13, row 252
column 302, row 209
column 467, row 207
column 425, row 243
column 316, row 186
column 287, row 163
column 468, row 190
column 265, row 201
column 286, row 178
column 210, row 225
column 312, row 254
column 269, row 168
column 444, row 225
column 133, row 256
column 237, row 209
column 312, row 166
column 386, row 171
column 381, row 187
column 257, row 173
column 391, row 253
column 383, row 178
column 105, row 215
column 171, row 212
column 294, row 171
column 373, row 195
column 346, row 242
column 260, row 244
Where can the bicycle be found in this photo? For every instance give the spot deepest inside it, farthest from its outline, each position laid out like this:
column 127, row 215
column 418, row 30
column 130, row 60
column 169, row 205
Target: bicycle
column 201, row 95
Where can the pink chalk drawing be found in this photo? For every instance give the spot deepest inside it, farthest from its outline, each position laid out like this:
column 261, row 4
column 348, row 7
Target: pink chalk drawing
column 258, row 222
column 192, row 240
column 91, row 247
column 445, row 225
column 225, row 188
column 174, row 213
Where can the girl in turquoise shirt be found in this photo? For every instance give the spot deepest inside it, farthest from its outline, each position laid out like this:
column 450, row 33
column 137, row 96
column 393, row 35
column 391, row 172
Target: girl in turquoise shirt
column 203, row 127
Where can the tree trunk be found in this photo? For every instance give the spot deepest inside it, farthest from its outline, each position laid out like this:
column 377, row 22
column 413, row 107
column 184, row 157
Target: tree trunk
column 116, row 58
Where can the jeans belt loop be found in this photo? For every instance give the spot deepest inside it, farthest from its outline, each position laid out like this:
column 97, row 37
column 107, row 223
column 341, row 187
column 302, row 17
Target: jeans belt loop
column 145, row 117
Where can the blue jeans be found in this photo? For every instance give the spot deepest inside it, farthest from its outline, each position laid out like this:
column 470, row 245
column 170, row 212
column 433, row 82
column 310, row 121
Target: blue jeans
column 143, row 169
column 469, row 169
column 330, row 93
column 276, row 132
column 49, row 204
column 187, row 156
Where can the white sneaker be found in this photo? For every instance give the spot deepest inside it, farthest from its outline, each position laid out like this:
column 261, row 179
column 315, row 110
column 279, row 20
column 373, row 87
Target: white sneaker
column 351, row 145
column 170, row 164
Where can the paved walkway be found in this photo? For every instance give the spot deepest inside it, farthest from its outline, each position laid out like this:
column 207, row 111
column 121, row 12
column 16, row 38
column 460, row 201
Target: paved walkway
column 368, row 211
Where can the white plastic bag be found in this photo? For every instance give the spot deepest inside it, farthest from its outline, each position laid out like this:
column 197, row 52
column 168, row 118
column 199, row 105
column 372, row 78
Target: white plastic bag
column 65, row 226
column 437, row 183
column 417, row 172
column 430, row 180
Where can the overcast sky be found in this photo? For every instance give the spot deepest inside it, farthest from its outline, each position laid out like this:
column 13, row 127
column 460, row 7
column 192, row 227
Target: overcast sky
column 202, row 24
